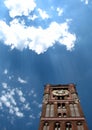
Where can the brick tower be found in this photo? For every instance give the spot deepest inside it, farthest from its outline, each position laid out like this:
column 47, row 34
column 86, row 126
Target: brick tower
column 61, row 109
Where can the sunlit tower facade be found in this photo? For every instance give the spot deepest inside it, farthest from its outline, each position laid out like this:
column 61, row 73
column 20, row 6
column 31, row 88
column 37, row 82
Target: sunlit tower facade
column 61, row 109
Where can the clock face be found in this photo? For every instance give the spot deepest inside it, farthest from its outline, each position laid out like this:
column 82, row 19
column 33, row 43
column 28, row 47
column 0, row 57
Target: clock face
column 60, row 92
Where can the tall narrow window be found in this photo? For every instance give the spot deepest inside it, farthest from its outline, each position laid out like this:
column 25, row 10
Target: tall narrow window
column 80, row 126
column 68, row 126
column 46, row 126
column 59, row 105
column 63, row 105
column 57, row 126
column 72, row 110
column 64, row 114
column 47, row 110
column 51, row 110
column 59, row 115
column 76, row 110
column 74, row 96
column 63, row 109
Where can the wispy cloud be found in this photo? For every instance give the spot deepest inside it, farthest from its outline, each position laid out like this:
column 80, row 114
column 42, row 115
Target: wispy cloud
column 32, row 93
column 32, row 116
column 43, row 14
column 5, row 71
column 85, row 1
column 22, row 80
column 37, row 104
column 4, row 85
column 32, row 17
column 8, row 100
column 60, row 11
column 15, row 101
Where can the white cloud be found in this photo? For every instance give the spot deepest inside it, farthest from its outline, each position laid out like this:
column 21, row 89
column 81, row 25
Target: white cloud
column 3, row 98
column 33, row 17
column 26, row 106
column 21, row 80
column 11, row 111
column 10, row 77
column 19, row 92
column 60, row 11
column 12, row 100
column 8, row 104
column 32, row 116
column 43, row 14
column 19, row 114
column 32, row 93
column 20, row 7
column 37, row 104
column 22, row 99
column 85, row 1
column 4, row 85
column 19, row 36
column 35, row 95
column 42, row 39
column 5, row 71
column 7, row 99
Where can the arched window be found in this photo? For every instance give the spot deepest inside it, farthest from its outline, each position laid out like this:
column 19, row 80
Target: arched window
column 59, row 115
column 64, row 114
column 68, row 126
column 57, row 126
column 46, row 126
column 59, row 105
column 80, row 126
column 63, row 105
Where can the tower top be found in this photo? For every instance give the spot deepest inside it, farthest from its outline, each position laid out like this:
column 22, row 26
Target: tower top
column 61, row 109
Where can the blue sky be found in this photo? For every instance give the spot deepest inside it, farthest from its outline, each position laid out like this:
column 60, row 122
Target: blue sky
column 42, row 42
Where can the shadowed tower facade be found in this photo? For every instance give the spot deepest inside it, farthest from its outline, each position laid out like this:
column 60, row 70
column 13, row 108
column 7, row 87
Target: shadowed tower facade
column 61, row 109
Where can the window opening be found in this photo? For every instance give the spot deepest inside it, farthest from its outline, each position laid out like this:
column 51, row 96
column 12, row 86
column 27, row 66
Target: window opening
column 63, row 105
column 57, row 126
column 68, row 126
column 59, row 115
column 64, row 114
column 46, row 126
column 74, row 110
column 80, row 126
column 49, row 110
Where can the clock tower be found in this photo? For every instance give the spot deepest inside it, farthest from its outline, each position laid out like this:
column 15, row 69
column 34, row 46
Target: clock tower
column 61, row 109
